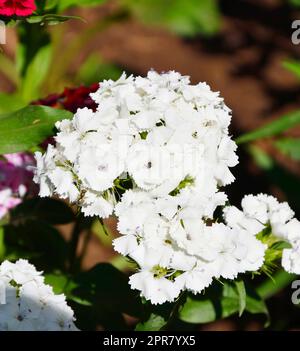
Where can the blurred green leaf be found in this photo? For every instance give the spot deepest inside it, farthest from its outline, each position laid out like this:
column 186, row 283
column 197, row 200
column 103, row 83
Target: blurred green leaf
column 278, row 176
column 102, row 295
column 276, row 127
column 255, row 304
column 40, row 241
column 269, row 288
column 32, row 37
column 63, row 5
column 289, row 147
column 94, row 69
column 11, row 102
column 261, row 158
column 280, row 245
column 106, row 285
column 51, row 19
column 44, row 209
column 295, row 2
column 25, row 128
column 8, row 68
column 36, row 73
column 185, row 17
column 154, row 323
column 58, row 282
column 292, row 65
column 51, row 4
column 240, row 286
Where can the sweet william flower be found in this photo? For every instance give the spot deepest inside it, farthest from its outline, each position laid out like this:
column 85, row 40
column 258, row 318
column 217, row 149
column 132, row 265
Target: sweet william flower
column 20, row 8
column 15, row 180
column 30, row 304
column 155, row 151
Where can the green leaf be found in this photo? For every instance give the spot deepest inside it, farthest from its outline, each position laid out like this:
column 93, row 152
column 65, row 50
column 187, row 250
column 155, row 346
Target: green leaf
column 261, row 158
column 269, row 288
column 51, row 19
column 184, row 17
column 61, row 283
column 221, row 301
column 240, row 286
column 10, row 102
column 154, row 323
column 293, row 66
column 271, row 129
column 26, row 128
column 63, row 5
column 108, row 288
column 51, row 4
column 289, row 147
column 58, row 282
column 36, row 73
column 218, row 302
column 255, row 304
column 277, row 175
column 32, row 37
column 295, row 2
column 40, row 241
column 7, row 67
column 48, row 210
column 280, row 245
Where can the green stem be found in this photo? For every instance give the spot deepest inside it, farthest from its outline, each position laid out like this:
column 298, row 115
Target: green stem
column 85, row 245
column 174, row 312
column 82, row 223
column 74, row 242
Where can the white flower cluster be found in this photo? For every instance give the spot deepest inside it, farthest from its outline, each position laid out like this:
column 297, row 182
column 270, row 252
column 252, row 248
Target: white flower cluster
column 156, row 153
column 265, row 212
column 28, row 304
column 155, row 131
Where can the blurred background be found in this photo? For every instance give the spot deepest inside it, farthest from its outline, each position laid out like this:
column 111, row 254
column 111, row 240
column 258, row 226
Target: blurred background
column 242, row 48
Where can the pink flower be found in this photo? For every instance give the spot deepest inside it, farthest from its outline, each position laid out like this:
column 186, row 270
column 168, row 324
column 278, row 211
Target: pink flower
column 17, row 7
column 7, row 202
column 15, row 180
column 16, row 172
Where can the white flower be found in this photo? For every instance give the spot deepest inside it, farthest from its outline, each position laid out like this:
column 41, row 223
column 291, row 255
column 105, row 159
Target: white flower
column 265, row 212
column 30, row 304
column 98, row 167
column 196, row 279
column 98, row 204
column 155, row 153
column 156, row 289
column 289, row 231
column 237, row 219
column 291, row 259
column 45, row 164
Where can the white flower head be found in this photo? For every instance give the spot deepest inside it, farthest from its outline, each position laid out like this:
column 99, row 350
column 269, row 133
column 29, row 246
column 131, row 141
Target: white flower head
column 30, row 304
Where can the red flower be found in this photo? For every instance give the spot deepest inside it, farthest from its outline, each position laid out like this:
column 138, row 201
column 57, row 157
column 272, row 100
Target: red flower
column 17, row 7
column 72, row 98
